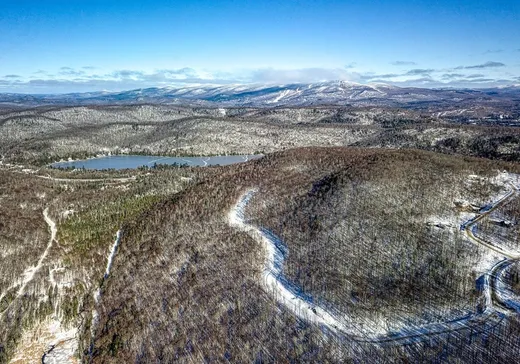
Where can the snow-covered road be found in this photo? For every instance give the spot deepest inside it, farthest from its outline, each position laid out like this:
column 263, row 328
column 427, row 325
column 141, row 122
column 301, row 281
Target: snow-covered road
column 273, row 279
column 304, row 306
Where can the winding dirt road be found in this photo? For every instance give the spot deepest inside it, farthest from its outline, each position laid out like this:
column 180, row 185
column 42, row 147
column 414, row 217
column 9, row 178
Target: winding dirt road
column 302, row 306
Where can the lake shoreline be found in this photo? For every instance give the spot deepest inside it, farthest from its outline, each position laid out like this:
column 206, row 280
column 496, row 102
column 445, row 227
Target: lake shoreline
column 119, row 162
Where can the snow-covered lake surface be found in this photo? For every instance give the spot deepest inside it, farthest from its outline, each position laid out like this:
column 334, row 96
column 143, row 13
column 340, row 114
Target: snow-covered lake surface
column 135, row 161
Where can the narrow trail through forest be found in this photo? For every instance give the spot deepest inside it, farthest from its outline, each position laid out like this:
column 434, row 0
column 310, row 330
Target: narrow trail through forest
column 105, row 180
column 30, row 272
column 71, row 180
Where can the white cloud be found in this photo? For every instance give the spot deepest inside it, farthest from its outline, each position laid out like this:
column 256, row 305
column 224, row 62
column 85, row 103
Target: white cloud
column 304, row 75
column 489, row 64
column 90, row 79
column 403, row 63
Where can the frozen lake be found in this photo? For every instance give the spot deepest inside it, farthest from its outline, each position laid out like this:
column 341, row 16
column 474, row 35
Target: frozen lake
column 135, row 161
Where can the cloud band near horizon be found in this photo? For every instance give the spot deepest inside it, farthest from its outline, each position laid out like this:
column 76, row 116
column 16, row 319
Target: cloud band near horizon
column 67, row 79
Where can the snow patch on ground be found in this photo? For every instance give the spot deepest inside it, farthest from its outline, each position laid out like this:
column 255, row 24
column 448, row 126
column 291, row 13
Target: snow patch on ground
column 279, row 97
column 97, row 293
column 504, row 291
column 29, row 273
column 112, row 253
column 49, row 339
column 65, row 214
column 63, row 346
column 487, row 261
column 65, row 278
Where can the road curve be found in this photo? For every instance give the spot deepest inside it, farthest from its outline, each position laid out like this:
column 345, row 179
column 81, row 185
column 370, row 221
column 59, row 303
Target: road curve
column 304, row 307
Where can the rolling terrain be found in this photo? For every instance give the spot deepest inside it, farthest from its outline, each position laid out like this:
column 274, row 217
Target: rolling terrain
column 367, row 239
column 42, row 135
column 365, row 232
column 447, row 101
column 210, row 273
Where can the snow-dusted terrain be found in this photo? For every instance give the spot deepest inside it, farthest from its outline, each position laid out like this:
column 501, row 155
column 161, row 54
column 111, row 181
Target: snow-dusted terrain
column 97, row 293
column 306, row 308
column 30, row 272
column 112, row 253
column 48, row 340
column 273, row 278
column 296, row 94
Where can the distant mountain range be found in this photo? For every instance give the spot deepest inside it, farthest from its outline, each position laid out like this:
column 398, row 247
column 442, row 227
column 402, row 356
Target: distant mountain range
column 325, row 93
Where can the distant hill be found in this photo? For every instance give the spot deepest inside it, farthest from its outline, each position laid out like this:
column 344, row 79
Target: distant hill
column 299, row 94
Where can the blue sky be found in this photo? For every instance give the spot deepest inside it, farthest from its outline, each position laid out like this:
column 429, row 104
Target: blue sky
column 74, row 46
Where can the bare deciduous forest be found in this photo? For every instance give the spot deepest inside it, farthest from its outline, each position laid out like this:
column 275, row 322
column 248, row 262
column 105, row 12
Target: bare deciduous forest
column 406, row 245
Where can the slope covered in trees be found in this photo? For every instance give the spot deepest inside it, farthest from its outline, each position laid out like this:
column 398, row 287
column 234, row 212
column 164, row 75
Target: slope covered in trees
column 371, row 234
